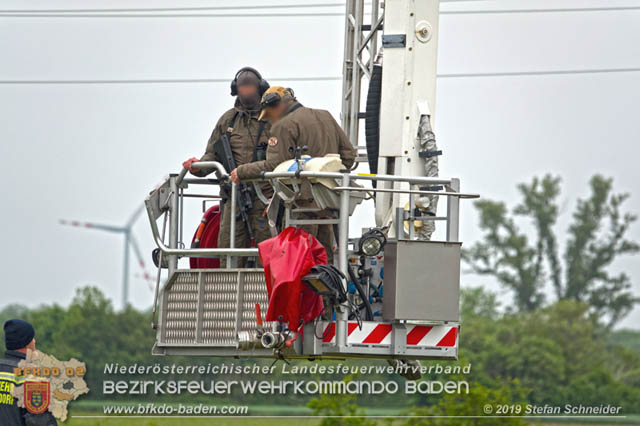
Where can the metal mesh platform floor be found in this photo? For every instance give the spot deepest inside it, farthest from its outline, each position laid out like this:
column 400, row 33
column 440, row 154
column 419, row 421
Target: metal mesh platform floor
column 209, row 307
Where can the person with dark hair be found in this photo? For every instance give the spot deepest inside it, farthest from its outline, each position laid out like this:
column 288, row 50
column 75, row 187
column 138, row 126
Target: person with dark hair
column 19, row 337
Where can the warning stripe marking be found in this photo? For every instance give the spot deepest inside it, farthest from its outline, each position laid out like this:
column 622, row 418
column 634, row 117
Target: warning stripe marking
column 351, row 326
column 329, row 332
column 376, row 333
column 449, row 339
column 417, row 333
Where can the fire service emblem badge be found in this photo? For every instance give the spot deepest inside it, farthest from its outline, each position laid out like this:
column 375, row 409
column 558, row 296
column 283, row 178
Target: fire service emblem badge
column 37, row 397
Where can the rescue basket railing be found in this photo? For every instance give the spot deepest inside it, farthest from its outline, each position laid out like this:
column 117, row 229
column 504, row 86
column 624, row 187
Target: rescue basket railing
column 167, row 200
column 172, row 205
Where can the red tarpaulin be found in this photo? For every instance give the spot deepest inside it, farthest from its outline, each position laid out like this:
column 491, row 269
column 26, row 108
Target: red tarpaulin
column 207, row 233
column 288, row 257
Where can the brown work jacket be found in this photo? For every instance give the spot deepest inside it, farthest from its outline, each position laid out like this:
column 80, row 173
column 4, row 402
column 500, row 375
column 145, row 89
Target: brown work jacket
column 301, row 126
column 243, row 140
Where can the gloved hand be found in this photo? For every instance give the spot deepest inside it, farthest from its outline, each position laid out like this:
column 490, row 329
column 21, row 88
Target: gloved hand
column 189, row 164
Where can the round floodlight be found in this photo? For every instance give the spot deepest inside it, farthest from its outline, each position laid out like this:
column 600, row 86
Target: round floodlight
column 372, row 242
column 371, row 246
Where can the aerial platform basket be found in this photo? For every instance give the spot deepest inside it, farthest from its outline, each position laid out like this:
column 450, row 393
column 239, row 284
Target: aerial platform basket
column 413, row 307
column 212, row 312
column 204, row 312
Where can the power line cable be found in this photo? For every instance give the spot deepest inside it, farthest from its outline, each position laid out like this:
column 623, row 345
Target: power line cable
column 196, row 8
column 293, row 14
column 549, row 10
column 175, row 9
column 323, row 78
column 159, row 80
column 132, row 13
column 540, row 73
column 170, row 15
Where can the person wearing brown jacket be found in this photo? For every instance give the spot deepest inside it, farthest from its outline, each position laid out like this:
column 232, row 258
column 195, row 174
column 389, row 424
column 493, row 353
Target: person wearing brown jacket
column 248, row 136
column 295, row 126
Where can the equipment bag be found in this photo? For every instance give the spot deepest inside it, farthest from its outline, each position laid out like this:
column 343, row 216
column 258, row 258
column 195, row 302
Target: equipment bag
column 288, row 257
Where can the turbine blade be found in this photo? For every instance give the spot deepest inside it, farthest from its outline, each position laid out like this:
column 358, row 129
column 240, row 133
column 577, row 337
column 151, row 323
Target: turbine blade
column 134, row 217
column 91, row 225
column 150, row 284
column 138, row 253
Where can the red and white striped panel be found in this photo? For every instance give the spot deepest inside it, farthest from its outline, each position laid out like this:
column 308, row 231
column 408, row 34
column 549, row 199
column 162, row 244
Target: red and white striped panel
column 379, row 333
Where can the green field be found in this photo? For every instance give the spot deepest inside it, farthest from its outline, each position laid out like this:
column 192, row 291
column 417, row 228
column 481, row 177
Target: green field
column 191, row 421
column 280, row 421
column 89, row 411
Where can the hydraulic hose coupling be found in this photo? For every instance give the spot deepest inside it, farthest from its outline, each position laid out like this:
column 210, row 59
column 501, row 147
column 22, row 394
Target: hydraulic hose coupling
column 248, row 340
column 272, row 340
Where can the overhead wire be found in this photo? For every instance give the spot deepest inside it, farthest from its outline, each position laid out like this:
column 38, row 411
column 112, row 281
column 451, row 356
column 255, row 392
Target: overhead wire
column 175, row 9
column 160, row 12
column 36, row 13
column 322, row 78
column 197, row 8
column 170, row 15
column 546, row 10
column 159, row 80
column 540, row 73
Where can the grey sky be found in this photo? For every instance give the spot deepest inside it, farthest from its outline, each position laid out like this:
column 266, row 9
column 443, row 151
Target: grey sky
column 93, row 151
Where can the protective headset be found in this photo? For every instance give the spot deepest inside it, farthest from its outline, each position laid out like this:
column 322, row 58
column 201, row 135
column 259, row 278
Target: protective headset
column 273, row 99
column 262, row 86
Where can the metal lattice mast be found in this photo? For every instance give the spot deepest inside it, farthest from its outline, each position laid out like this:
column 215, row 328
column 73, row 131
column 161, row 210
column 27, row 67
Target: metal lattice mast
column 360, row 51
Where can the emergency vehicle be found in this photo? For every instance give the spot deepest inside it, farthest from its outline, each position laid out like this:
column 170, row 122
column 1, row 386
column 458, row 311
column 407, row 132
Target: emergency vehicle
column 396, row 291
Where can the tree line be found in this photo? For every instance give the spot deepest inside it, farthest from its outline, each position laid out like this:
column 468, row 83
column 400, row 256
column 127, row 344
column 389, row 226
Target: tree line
column 556, row 343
